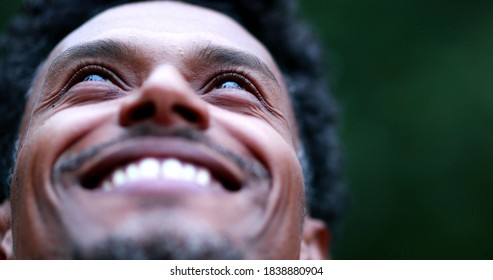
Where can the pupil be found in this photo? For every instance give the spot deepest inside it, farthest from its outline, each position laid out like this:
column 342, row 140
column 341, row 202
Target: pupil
column 230, row 85
column 94, row 78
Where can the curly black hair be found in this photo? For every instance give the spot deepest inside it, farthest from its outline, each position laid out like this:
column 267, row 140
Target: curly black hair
column 33, row 33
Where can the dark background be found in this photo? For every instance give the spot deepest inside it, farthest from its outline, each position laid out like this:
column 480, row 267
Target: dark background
column 415, row 82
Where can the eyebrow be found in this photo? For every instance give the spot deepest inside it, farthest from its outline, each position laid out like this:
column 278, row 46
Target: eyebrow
column 106, row 48
column 228, row 56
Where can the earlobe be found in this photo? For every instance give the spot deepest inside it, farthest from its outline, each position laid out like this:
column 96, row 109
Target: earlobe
column 6, row 244
column 315, row 240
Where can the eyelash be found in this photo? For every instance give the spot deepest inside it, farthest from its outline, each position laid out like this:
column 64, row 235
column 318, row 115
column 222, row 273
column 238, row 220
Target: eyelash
column 238, row 77
column 235, row 75
column 89, row 70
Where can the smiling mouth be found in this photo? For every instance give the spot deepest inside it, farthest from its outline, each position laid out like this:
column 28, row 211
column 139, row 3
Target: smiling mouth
column 155, row 163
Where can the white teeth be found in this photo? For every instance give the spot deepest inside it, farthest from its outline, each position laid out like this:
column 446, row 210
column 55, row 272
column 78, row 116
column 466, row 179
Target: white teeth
column 154, row 169
column 118, row 178
column 171, row 169
column 188, row 172
column 203, row 177
column 149, row 168
column 132, row 172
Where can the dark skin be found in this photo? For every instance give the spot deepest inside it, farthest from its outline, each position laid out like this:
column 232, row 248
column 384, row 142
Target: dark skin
column 158, row 120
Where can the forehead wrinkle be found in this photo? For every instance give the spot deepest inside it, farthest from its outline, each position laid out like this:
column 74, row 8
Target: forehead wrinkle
column 228, row 56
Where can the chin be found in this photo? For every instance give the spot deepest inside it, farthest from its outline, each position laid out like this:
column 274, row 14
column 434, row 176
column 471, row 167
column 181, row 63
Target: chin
column 161, row 238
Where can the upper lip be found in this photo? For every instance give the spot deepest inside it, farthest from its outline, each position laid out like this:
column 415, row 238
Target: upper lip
column 226, row 171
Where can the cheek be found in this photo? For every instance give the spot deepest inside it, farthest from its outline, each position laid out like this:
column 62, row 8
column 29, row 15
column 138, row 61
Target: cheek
column 285, row 202
column 47, row 139
column 63, row 129
column 265, row 140
column 36, row 204
column 71, row 124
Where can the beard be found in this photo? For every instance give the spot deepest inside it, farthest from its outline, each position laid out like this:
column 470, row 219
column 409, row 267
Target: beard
column 181, row 241
column 158, row 248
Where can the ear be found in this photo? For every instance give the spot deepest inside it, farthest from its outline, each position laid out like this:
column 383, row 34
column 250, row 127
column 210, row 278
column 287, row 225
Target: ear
column 315, row 240
column 6, row 244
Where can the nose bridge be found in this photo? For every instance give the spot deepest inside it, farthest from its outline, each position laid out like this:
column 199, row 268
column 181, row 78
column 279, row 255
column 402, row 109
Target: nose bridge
column 166, row 99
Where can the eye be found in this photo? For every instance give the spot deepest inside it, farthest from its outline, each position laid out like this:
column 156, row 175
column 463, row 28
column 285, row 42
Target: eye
column 95, row 78
column 94, row 73
column 90, row 83
column 235, row 86
column 232, row 82
column 229, row 85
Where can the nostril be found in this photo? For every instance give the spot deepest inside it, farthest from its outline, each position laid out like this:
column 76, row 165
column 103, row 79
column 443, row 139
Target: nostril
column 143, row 112
column 187, row 114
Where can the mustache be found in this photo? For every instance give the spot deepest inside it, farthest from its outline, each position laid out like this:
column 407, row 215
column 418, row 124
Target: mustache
column 251, row 167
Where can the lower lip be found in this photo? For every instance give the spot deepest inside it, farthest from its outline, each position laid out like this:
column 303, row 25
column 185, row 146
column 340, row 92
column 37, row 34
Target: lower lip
column 159, row 187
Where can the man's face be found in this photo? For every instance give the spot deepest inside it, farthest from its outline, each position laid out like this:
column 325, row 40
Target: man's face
column 162, row 130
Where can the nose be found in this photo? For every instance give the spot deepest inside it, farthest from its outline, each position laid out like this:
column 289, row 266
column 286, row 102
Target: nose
column 166, row 99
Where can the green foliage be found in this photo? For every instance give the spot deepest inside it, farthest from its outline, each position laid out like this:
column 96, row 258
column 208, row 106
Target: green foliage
column 414, row 78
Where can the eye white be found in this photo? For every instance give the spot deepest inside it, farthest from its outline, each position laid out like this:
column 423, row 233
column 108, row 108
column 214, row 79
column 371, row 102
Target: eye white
column 230, row 85
column 95, row 78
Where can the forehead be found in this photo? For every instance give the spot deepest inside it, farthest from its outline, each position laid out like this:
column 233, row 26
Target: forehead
column 164, row 32
column 168, row 25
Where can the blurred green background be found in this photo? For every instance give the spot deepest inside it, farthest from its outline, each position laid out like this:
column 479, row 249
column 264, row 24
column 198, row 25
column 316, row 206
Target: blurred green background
column 414, row 79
